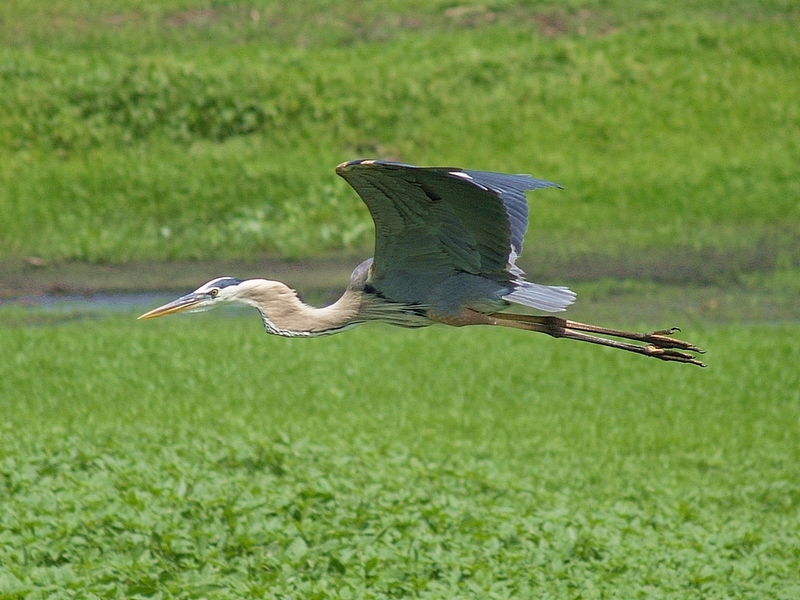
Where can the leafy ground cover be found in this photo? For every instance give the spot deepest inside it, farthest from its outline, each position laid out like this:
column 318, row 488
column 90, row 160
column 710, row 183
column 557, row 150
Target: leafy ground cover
column 133, row 130
column 201, row 458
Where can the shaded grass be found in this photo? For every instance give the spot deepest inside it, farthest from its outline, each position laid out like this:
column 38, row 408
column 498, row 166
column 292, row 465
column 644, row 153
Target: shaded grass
column 202, row 457
column 217, row 136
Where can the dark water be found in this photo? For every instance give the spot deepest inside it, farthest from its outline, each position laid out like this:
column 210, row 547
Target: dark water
column 49, row 310
column 99, row 302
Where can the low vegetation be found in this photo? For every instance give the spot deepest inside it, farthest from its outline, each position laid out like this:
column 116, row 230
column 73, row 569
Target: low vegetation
column 191, row 130
column 200, row 457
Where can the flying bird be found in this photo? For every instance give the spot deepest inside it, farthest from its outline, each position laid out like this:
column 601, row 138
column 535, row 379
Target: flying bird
column 446, row 245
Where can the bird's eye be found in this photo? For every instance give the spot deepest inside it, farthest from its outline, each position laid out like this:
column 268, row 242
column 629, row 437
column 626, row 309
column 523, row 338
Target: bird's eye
column 213, row 292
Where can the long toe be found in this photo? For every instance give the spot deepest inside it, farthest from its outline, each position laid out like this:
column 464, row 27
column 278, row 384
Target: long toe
column 663, row 339
column 672, row 355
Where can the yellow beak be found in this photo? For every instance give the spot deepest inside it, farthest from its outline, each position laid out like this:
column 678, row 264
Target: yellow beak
column 183, row 303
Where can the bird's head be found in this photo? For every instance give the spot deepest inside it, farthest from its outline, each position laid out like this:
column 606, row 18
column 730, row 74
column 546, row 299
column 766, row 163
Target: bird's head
column 209, row 295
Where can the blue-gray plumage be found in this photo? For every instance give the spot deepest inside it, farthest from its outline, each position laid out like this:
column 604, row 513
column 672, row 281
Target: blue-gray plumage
column 446, row 245
column 447, row 238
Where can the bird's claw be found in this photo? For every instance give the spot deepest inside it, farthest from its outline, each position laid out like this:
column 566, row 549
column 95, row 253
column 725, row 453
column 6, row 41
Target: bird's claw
column 662, row 339
column 673, row 355
column 663, row 346
column 670, row 331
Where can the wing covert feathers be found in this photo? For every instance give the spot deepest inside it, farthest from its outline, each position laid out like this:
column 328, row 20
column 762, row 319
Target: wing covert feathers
column 432, row 223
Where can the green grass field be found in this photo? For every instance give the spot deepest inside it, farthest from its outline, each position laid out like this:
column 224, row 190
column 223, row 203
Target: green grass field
column 177, row 129
column 199, row 457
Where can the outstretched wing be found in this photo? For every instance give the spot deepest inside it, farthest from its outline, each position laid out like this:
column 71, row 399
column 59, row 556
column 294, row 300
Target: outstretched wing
column 433, row 222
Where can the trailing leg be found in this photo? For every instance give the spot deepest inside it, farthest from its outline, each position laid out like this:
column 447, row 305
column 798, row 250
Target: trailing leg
column 657, row 344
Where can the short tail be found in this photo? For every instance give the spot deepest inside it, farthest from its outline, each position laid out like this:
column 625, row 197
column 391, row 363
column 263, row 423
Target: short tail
column 542, row 297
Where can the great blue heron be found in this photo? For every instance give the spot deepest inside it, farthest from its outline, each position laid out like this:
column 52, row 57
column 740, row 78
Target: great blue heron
column 446, row 245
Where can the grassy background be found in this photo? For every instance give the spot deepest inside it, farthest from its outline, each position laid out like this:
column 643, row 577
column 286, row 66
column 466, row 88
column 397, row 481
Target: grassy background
column 194, row 129
column 199, row 457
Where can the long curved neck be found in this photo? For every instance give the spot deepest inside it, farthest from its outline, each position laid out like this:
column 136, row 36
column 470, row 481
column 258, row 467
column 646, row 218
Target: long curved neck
column 285, row 314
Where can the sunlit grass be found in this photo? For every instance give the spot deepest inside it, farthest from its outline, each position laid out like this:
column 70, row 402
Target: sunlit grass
column 667, row 129
column 200, row 456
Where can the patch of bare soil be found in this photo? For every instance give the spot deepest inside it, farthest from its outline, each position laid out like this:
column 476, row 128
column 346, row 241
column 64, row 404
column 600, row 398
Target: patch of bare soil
column 31, row 277
column 197, row 17
column 680, row 266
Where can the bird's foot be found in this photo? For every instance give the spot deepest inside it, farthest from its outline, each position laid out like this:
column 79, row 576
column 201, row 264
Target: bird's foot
column 663, row 339
column 659, row 344
column 668, row 354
